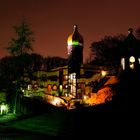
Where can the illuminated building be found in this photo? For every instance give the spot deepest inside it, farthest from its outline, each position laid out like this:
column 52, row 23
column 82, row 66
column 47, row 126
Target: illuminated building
column 130, row 57
column 82, row 81
column 75, row 79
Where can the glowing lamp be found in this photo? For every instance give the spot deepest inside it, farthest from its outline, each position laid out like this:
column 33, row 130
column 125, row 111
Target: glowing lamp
column 103, row 73
column 84, row 97
column 56, row 102
column 4, row 109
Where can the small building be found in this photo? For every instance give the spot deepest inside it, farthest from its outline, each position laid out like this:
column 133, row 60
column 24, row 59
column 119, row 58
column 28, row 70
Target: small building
column 130, row 57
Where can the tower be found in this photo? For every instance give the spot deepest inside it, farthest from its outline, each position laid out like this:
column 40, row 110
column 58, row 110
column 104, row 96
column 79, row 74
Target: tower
column 130, row 72
column 75, row 59
column 130, row 53
column 130, row 58
column 75, row 51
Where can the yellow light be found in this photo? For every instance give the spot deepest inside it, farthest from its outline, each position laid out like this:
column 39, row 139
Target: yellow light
column 56, row 102
column 84, row 97
column 103, row 73
column 132, row 66
column 69, row 42
column 60, row 87
column 132, row 59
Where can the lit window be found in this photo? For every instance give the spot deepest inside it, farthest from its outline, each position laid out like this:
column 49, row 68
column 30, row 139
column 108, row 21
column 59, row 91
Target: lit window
column 139, row 60
column 71, row 76
column 123, row 63
column 66, row 77
column 74, row 76
column 49, row 87
column 132, row 59
column 60, row 88
column 132, row 65
column 55, row 87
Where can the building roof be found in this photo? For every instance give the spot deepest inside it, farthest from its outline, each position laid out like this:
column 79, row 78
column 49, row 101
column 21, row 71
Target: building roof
column 131, row 44
column 75, row 38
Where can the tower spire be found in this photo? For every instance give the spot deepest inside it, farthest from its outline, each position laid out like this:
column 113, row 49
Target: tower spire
column 130, row 30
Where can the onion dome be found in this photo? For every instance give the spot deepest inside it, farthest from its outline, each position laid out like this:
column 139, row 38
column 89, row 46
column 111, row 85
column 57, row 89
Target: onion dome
column 75, row 39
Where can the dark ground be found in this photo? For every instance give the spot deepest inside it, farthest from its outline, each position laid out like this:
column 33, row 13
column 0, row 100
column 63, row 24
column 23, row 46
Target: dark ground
column 118, row 119
column 98, row 122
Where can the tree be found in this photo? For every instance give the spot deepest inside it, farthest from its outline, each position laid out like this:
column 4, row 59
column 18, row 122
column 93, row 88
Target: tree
column 8, row 71
column 107, row 51
column 19, row 47
column 36, row 62
column 23, row 42
column 54, row 62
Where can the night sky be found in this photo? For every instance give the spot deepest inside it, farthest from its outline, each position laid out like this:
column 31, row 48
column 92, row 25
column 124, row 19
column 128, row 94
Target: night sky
column 52, row 21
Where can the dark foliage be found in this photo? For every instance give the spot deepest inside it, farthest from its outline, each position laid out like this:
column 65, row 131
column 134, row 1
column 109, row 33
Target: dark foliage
column 107, row 51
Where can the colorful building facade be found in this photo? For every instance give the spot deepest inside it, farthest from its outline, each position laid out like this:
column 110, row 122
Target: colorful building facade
column 73, row 80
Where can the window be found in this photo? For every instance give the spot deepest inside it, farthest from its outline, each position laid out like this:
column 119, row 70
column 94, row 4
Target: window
column 131, row 62
column 55, row 87
column 123, row 63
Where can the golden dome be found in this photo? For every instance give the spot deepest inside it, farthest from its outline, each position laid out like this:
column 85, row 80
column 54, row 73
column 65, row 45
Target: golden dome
column 75, row 38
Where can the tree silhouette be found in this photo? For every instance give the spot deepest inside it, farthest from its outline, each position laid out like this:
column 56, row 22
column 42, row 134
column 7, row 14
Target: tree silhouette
column 23, row 41
column 19, row 47
column 107, row 51
column 54, row 62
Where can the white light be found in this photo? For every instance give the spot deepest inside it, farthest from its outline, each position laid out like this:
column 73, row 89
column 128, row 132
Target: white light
column 4, row 109
column 71, row 76
column 85, row 97
column 70, row 43
column 29, row 87
column 66, row 77
column 139, row 60
column 123, row 63
column 74, row 76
